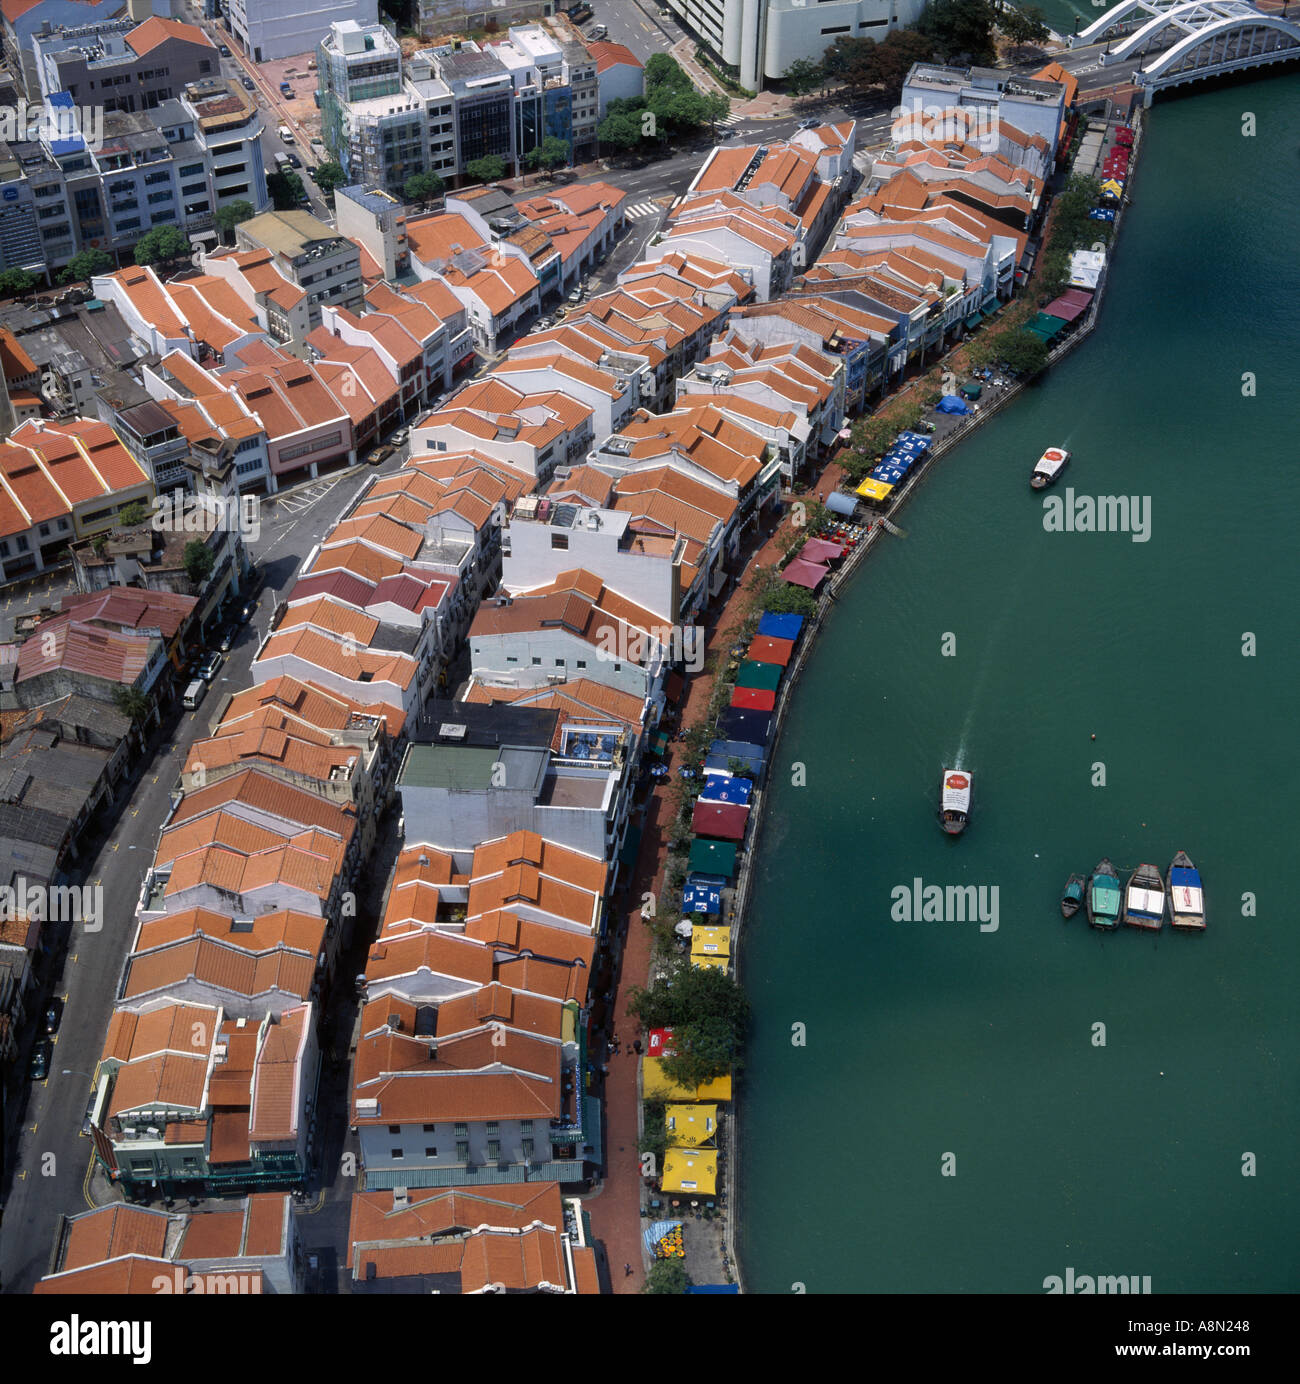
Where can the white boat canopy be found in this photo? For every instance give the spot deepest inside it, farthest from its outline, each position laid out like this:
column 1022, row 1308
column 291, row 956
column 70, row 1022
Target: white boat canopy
column 956, row 791
column 1150, row 903
column 1050, row 463
column 1187, row 900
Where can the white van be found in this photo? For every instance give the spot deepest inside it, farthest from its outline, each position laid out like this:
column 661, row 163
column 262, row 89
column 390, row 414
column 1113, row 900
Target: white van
column 195, row 693
column 286, row 134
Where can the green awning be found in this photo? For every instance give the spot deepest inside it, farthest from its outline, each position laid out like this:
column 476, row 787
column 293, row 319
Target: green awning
column 975, row 319
column 971, row 390
column 713, row 857
column 763, row 677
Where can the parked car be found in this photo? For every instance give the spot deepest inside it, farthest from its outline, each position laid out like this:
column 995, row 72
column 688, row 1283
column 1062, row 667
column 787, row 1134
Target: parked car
column 210, row 666
column 228, row 638
column 248, row 84
column 39, row 1067
column 223, row 50
column 575, row 296
column 380, row 455
column 247, row 611
column 318, row 145
column 285, row 89
column 286, row 134
column 53, row 1015
column 399, row 437
column 809, row 124
column 294, row 161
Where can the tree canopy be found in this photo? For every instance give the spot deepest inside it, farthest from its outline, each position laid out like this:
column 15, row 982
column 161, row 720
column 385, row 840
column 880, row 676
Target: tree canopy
column 15, row 282
column 330, row 176
column 85, row 265
column 864, row 65
column 672, row 107
column 198, row 561
column 1023, row 26
column 162, row 244
column 667, row 1276
column 552, row 152
column 803, row 75
column 709, row 1015
column 488, row 169
column 960, row 29
column 423, row 187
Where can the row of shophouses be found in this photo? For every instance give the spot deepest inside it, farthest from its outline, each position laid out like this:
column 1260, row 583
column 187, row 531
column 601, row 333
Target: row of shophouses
column 563, row 522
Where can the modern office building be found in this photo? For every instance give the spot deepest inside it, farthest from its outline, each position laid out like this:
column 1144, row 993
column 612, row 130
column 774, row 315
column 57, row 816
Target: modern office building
column 271, row 29
column 761, row 38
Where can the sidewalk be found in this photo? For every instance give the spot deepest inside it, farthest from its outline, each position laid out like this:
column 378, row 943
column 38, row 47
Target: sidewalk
column 615, row 1208
column 767, row 105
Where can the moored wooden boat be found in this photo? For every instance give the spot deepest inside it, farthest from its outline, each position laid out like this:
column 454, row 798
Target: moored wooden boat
column 1104, row 896
column 954, row 801
column 1072, row 895
column 1186, row 894
column 1049, row 468
column 1144, row 899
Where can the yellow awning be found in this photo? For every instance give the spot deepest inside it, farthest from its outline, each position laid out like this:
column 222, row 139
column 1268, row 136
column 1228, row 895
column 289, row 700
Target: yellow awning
column 711, row 963
column 691, row 1170
column 874, row 490
column 690, row 1126
column 656, row 1085
column 709, row 940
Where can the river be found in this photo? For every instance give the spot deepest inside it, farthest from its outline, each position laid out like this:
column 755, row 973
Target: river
column 1114, row 1150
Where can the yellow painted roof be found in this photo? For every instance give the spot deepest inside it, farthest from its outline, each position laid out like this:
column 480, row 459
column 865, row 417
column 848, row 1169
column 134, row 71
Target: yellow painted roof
column 710, row 940
column 689, row 1170
column 657, row 1086
column 690, row 1126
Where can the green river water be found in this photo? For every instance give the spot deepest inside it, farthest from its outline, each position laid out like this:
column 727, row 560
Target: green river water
column 931, row 1038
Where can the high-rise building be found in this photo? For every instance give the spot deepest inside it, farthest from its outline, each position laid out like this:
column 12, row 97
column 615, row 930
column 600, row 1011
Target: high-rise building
column 759, row 39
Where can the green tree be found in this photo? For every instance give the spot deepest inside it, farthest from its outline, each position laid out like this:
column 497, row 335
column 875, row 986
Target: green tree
column 1024, row 352
column 131, row 702
column 1023, row 26
column 132, row 514
column 663, row 70
column 198, row 561
column 788, row 599
column 15, row 282
column 960, row 29
column 552, row 152
column 488, row 169
column 84, row 266
column 708, row 1013
column 229, row 216
column 667, row 1276
column 654, row 1132
column 803, row 75
column 896, row 54
column 286, row 190
column 619, row 131
column 423, row 187
column 162, row 245
column 330, row 176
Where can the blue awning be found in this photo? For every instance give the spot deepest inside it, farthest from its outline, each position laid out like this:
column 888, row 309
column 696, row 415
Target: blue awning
column 780, row 626
column 702, row 894
column 840, row 503
column 726, row 790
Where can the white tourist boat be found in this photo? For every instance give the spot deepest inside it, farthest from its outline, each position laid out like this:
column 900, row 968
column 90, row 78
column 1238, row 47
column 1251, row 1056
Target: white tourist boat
column 1050, row 465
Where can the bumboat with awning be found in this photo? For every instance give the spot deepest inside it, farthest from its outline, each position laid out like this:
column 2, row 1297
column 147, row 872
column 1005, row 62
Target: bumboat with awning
column 954, row 802
column 1144, row 900
column 1049, row 468
column 1186, row 894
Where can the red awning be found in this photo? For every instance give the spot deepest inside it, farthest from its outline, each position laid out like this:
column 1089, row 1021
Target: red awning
column 809, row 574
column 765, row 649
column 722, row 821
column 673, row 686
column 821, row 550
column 753, row 698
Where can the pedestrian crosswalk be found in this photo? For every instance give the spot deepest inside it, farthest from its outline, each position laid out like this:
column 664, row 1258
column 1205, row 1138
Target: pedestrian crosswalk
column 731, row 120
column 639, row 209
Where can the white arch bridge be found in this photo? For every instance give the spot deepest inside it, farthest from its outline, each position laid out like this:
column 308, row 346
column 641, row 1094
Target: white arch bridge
column 1187, row 42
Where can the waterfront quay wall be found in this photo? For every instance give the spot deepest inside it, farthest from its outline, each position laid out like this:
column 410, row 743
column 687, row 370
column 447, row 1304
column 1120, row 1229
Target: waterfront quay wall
column 813, row 628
